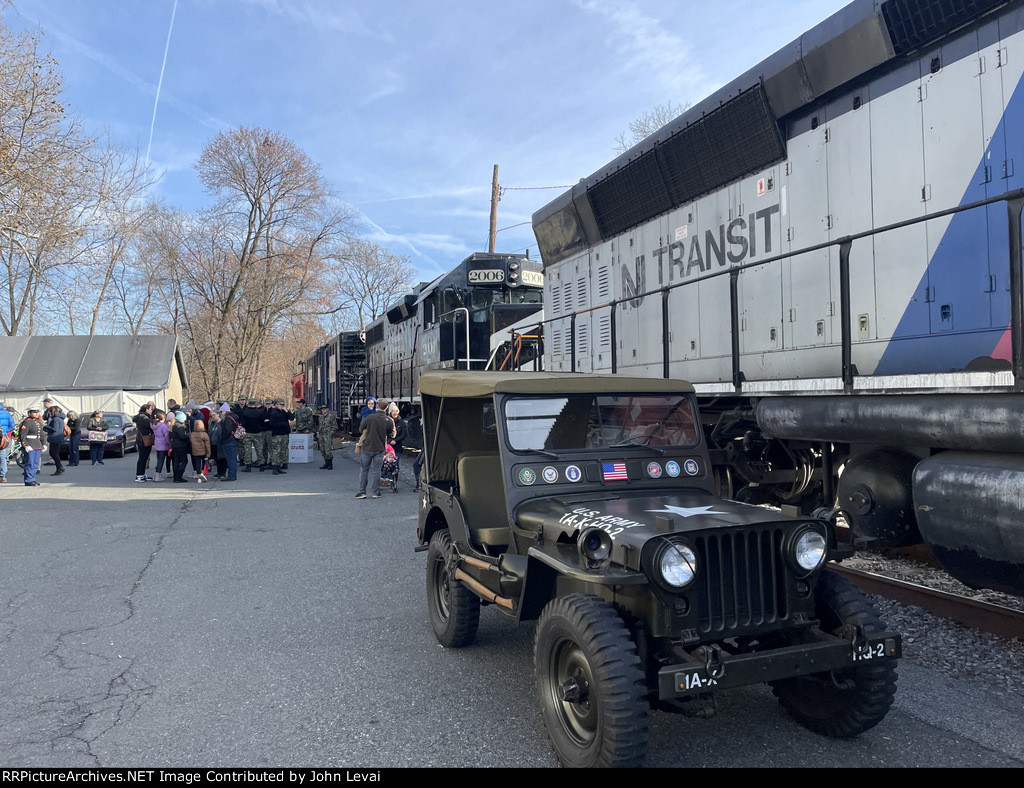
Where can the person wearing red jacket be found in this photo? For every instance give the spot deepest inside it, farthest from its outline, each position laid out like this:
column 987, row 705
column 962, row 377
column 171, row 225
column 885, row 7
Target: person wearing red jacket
column 32, row 437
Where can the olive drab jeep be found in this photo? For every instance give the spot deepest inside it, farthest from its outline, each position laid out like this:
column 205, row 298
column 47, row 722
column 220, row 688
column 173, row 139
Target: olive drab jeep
column 587, row 503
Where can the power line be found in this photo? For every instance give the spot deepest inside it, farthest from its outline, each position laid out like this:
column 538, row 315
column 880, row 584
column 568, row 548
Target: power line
column 530, row 188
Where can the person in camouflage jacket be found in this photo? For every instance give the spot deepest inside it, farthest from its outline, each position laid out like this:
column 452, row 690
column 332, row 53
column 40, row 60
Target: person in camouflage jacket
column 325, row 436
column 304, row 417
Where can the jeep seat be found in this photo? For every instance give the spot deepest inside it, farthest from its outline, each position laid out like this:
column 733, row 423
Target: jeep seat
column 482, row 495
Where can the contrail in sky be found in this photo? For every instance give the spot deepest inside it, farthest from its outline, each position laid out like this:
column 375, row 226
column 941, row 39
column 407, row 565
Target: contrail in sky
column 159, row 84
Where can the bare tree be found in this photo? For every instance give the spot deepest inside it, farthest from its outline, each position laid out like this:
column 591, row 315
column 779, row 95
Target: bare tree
column 366, row 281
column 255, row 259
column 648, row 123
column 64, row 195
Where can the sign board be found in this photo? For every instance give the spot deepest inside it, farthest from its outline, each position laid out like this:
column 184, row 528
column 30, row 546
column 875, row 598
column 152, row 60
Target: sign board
column 486, row 276
column 300, row 447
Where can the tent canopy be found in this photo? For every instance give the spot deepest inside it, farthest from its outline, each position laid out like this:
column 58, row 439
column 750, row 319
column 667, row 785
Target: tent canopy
column 70, row 363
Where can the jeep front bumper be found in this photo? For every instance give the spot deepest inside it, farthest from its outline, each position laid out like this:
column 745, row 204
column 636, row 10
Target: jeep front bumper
column 710, row 668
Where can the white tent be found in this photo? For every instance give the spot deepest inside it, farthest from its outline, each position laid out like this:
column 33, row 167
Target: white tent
column 116, row 374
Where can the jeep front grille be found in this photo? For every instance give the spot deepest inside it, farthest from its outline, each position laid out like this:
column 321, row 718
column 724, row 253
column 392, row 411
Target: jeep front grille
column 742, row 583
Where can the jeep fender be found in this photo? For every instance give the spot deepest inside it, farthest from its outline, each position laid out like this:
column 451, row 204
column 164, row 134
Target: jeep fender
column 543, row 570
column 445, row 512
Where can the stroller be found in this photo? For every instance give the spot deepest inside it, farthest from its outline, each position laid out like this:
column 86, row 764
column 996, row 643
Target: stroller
column 389, row 469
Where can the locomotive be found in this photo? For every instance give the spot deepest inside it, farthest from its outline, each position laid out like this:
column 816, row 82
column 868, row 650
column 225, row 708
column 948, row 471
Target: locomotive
column 829, row 248
column 335, row 375
column 449, row 323
column 457, row 321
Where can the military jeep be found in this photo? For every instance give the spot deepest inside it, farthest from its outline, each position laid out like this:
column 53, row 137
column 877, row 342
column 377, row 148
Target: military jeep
column 586, row 503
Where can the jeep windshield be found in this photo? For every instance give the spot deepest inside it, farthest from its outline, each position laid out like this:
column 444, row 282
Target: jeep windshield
column 585, row 421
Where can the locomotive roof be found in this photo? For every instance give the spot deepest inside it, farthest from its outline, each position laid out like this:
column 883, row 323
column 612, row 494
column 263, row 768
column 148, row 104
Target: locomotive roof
column 658, row 173
column 463, row 384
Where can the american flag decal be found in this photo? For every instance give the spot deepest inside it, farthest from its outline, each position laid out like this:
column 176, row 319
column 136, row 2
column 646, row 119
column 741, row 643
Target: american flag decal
column 614, row 471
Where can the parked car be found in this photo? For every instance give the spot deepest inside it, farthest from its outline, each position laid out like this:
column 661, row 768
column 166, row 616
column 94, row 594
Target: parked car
column 588, row 503
column 120, row 435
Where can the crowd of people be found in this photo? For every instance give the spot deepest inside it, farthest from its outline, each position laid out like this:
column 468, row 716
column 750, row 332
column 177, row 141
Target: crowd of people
column 219, row 439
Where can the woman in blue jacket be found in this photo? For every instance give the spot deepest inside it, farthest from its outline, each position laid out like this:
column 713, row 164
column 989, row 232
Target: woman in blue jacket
column 7, row 426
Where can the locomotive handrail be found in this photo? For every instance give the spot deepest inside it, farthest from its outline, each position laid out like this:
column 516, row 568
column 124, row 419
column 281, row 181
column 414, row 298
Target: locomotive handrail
column 455, row 350
column 1015, row 206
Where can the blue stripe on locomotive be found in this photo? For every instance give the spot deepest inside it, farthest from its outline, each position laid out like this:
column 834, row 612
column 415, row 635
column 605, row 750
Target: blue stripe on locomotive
column 974, row 241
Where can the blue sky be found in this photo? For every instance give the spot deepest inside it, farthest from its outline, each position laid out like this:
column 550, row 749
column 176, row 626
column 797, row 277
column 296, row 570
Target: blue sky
column 406, row 104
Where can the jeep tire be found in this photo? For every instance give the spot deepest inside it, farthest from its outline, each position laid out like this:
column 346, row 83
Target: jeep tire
column 591, row 684
column 855, row 699
column 454, row 609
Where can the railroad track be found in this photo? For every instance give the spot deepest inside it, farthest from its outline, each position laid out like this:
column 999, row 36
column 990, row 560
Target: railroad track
column 975, row 614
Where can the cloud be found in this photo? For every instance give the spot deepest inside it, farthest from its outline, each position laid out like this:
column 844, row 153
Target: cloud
column 647, row 49
column 415, row 245
column 437, row 194
column 335, row 16
column 388, row 82
column 191, row 110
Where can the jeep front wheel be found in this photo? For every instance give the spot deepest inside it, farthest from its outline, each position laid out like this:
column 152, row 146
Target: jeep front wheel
column 454, row 609
column 841, row 704
column 591, row 684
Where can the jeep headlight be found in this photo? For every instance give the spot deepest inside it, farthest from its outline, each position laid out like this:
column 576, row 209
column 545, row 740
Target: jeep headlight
column 678, row 564
column 809, row 550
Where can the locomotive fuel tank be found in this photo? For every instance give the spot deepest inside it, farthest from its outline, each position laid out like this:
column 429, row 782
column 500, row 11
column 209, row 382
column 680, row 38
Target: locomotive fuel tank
column 964, row 503
column 968, row 507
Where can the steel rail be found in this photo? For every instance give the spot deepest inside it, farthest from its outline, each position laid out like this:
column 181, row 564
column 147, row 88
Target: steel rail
column 972, row 613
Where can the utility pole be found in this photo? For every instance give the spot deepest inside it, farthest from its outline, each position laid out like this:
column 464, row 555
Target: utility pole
column 494, row 210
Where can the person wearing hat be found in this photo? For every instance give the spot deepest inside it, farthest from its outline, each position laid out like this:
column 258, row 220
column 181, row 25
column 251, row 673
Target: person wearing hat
column 303, row 416
column 278, row 430
column 326, row 427
column 252, row 417
column 180, row 447
column 45, row 416
column 368, row 408
column 31, row 435
column 267, row 434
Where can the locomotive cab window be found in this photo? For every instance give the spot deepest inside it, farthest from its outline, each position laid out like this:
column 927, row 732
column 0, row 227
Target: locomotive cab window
column 483, row 297
column 524, row 295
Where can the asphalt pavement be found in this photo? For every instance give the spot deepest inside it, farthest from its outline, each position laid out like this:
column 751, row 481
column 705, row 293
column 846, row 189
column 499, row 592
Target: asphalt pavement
column 277, row 621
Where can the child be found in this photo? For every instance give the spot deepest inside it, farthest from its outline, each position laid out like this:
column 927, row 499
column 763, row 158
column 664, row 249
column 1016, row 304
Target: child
column 389, row 468
column 200, row 444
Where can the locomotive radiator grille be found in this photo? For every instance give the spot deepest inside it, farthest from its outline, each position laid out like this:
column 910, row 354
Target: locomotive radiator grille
column 743, row 581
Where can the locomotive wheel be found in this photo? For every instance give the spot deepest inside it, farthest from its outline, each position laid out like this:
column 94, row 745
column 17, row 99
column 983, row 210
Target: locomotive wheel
column 454, row 609
column 845, row 703
column 591, row 684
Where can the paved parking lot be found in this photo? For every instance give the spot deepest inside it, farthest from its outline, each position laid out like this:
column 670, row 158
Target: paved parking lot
column 279, row 622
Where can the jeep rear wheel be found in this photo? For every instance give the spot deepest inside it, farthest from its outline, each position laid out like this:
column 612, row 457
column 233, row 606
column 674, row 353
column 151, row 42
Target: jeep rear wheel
column 841, row 704
column 454, row 609
column 591, row 684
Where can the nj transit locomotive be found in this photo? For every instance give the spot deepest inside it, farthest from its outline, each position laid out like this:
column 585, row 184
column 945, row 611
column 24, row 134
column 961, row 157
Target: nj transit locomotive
column 829, row 247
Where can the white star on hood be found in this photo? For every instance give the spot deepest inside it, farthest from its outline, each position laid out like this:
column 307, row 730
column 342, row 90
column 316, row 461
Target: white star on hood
column 683, row 512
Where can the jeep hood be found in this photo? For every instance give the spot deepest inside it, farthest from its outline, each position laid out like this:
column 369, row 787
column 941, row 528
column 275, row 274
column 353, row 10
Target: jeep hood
column 631, row 518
